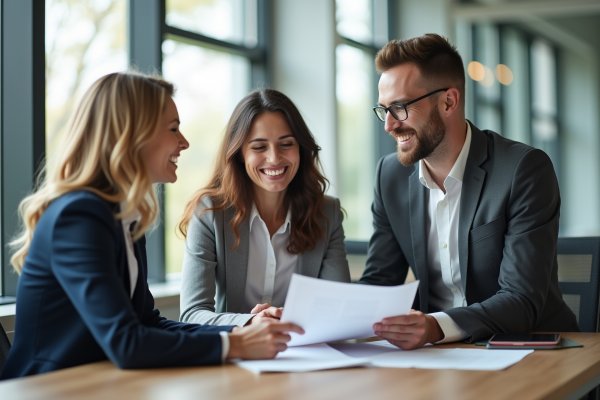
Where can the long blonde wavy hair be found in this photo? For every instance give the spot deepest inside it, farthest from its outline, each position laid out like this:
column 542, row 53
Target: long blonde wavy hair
column 100, row 152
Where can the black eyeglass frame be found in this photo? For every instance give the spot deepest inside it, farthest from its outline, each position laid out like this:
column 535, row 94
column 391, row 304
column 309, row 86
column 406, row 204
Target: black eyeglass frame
column 405, row 105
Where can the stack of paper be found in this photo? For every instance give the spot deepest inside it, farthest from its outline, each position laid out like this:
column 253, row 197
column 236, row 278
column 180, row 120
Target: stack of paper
column 304, row 358
column 384, row 354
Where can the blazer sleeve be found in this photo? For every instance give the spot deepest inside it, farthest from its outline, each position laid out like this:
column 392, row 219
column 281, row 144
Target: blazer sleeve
column 198, row 278
column 83, row 260
column 334, row 266
column 528, row 256
column 386, row 263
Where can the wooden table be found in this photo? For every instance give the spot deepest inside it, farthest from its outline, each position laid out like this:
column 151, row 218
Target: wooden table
column 545, row 374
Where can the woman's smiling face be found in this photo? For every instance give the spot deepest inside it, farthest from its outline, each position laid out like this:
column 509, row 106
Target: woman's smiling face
column 161, row 152
column 271, row 153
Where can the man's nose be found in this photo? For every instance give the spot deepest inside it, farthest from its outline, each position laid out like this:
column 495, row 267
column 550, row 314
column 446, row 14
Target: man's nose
column 391, row 123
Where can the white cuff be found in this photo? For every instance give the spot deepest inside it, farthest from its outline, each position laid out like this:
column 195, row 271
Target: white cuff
column 224, row 345
column 452, row 332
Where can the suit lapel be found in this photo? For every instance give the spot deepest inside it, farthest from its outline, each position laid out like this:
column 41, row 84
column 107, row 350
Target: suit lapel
column 236, row 262
column 473, row 180
column 418, row 198
column 309, row 263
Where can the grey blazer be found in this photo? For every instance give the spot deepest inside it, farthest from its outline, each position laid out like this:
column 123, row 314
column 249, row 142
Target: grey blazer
column 508, row 229
column 214, row 276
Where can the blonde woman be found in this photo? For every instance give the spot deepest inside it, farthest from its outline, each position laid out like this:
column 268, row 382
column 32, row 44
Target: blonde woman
column 82, row 295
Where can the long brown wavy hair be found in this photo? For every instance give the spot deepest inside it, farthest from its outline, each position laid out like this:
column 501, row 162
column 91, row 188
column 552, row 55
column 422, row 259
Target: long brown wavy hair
column 230, row 185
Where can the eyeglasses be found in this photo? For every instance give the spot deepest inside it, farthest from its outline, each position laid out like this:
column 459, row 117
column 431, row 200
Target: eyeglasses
column 399, row 110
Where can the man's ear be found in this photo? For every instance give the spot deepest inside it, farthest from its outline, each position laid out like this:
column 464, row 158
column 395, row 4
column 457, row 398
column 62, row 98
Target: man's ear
column 451, row 100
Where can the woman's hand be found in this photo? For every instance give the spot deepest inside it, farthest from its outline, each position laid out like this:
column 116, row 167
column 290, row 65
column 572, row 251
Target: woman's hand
column 264, row 312
column 261, row 340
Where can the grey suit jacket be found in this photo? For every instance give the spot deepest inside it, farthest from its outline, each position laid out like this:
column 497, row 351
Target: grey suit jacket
column 214, row 273
column 508, row 229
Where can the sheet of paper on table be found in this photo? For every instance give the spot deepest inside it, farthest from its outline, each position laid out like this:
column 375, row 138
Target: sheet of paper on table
column 302, row 359
column 384, row 354
column 330, row 311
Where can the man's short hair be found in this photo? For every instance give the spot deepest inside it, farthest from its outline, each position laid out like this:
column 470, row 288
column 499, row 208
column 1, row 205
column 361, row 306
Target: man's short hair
column 436, row 58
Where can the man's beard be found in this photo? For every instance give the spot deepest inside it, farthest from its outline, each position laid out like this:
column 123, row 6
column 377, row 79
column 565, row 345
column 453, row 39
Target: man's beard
column 427, row 141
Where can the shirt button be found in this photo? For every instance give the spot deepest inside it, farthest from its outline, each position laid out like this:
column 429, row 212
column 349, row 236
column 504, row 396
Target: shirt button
column 444, row 245
column 455, row 290
column 267, row 301
column 271, row 265
column 443, row 204
column 270, row 276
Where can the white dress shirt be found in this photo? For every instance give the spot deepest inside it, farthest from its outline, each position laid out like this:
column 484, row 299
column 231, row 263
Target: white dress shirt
column 134, row 268
column 131, row 260
column 445, row 285
column 270, row 265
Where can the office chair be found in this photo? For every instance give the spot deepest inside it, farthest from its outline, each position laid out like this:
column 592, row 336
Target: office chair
column 4, row 347
column 578, row 277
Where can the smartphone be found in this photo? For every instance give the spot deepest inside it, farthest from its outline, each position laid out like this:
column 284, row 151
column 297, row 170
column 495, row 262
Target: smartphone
column 525, row 339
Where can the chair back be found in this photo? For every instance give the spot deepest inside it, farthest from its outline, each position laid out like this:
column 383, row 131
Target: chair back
column 578, row 277
column 4, row 347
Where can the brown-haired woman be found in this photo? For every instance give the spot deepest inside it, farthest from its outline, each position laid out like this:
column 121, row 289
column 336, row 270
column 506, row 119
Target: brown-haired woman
column 263, row 216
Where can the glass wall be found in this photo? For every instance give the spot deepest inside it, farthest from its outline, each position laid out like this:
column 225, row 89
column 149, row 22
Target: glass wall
column 209, row 84
column 228, row 20
column 515, row 91
column 544, row 125
column 356, row 88
column 356, row 138
column 210, row 81
column 85, row 39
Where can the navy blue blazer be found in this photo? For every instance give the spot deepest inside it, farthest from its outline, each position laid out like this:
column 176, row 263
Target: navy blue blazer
column 73, row 303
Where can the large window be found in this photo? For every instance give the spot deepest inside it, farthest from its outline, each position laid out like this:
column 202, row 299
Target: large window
column 84, row 41
column 362, row 27
column 516, row 87
column 209, row 53
column 213, row 50
column 209, row 85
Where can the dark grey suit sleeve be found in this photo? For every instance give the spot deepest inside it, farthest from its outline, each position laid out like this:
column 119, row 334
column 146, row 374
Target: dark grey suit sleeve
column 334, row 266
column 198, row 279
column 386, row 263
column 528, row 258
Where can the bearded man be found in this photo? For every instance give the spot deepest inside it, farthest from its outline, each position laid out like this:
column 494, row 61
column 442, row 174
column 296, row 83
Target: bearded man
column 475, row 215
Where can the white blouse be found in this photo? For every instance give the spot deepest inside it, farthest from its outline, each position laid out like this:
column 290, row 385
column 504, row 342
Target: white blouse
column 270, row 265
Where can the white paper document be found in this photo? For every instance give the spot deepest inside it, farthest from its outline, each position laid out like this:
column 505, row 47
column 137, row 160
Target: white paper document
column 302, row 359
column 383, row 354
column 330, row 311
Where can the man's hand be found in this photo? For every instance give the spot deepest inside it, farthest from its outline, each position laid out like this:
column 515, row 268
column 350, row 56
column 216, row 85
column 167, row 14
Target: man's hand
column 264, row 312
column 261, row 340
column 410, row 331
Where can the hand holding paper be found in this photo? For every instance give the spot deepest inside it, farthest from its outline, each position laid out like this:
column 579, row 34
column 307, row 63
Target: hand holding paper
column 410, row 331
column 329, row 311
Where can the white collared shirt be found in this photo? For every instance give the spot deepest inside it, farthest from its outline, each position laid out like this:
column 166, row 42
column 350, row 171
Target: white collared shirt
column 445, row 285
column 270, row 265
column 131, row 260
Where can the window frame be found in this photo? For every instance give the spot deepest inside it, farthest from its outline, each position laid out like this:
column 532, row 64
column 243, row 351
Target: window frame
column 383, row 145
column 23, row 118
column 499, row 105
